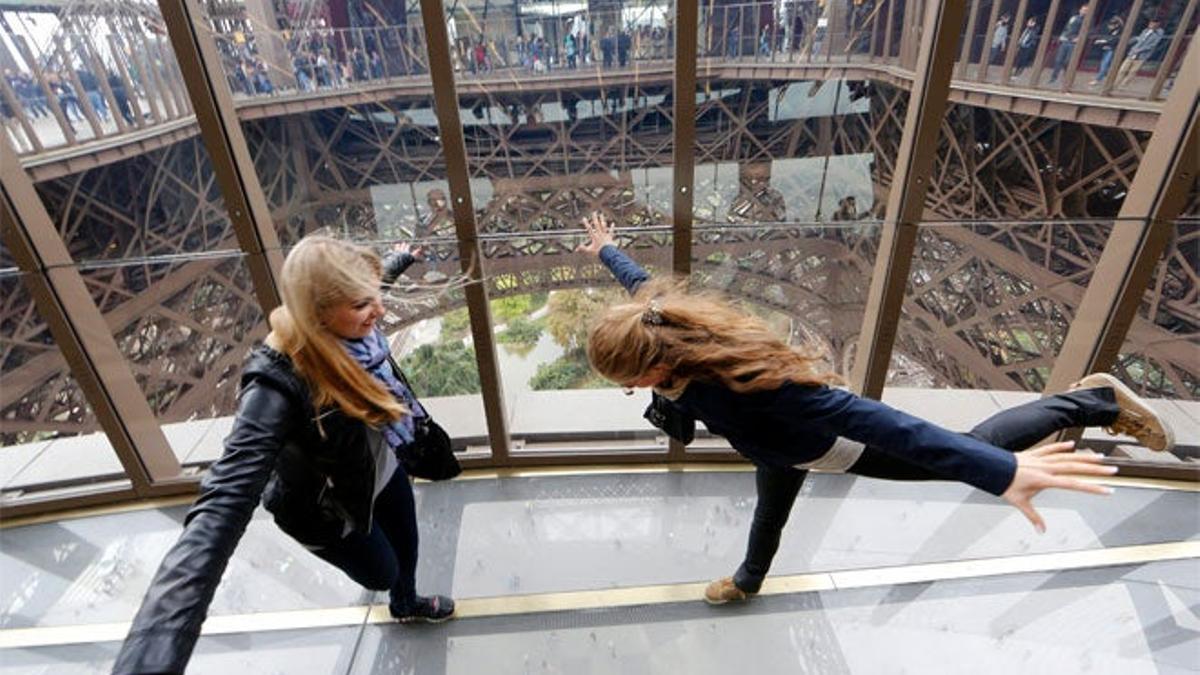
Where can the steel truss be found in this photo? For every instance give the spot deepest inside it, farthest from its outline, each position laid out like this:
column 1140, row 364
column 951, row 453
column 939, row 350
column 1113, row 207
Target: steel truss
column 988, row 304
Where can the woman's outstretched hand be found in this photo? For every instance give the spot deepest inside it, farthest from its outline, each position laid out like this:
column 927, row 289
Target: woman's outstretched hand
column 600, row 233
column 403, row 247
column 1050, row 466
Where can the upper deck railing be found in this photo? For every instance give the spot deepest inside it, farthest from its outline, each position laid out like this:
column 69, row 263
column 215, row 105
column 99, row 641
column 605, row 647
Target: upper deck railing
column 86, row 85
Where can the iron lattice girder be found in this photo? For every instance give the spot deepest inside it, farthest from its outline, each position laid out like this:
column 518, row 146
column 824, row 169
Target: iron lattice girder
column 1000, row 165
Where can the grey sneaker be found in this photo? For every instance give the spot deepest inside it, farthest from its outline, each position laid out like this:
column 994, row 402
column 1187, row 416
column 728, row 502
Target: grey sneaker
column 431, row 609
column 1136, row 418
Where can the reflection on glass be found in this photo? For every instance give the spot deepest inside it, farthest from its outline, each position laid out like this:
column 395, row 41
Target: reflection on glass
column 797, row 152
column 796, row 31
column 807, row 281
column 557, row 38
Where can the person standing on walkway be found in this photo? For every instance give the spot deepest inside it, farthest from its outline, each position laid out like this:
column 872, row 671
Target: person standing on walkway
column 1026, row 46
column 1140, row 51
column 1110, row 35
column 325, row 421
column 999, row 41
column 1067, row 40
column 708, row 361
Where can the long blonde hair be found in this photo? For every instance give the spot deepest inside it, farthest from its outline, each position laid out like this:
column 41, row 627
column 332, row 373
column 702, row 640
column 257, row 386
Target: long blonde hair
column 696, row 336
column 319, row 273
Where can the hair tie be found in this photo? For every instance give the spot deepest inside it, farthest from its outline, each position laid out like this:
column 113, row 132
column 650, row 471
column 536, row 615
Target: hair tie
column 652, row 316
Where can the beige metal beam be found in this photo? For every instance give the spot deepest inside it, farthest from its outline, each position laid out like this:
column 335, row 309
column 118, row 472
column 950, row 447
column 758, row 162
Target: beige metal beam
column 684, row 158
column 445, row 103
column 685, row 135
column 208, row 88
column 906, row 202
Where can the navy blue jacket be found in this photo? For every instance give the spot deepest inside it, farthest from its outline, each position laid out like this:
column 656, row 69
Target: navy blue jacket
column 798, row 423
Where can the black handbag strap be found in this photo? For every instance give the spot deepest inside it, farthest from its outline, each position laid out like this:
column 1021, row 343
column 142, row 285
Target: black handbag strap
column 400, row 374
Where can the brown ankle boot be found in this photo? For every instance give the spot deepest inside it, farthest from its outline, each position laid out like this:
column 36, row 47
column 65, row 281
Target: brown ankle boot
column 1136, row 418
column 722, row 591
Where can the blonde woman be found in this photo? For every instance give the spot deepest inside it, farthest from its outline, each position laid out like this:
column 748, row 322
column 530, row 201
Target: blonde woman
column 324, row 419
column 773, row 403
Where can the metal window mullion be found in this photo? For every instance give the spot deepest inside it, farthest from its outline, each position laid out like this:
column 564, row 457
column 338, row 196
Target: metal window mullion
column 445, row 98
column 80, row 331
column 1157, row 196
column 212, row 102
column 906, row 200
column 684, row 151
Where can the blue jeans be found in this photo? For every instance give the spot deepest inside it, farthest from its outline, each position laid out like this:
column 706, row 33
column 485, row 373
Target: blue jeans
column 98, row 104
column 1105, row 63
column 385, row 558
column 1061, row 57
column 1014, row 429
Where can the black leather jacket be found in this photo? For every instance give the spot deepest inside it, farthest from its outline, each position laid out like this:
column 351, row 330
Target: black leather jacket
column 314, row 472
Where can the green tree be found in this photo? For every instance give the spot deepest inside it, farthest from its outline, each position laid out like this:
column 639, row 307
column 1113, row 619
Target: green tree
column 445, row 369
column 522, row 331
column 565, row 372
column 569, row 371
column 455, row 325
column 505, row 310
column 570, row 314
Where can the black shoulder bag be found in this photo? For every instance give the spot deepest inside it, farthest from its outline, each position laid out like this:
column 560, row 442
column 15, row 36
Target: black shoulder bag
column 430, row 455
column 664, row 415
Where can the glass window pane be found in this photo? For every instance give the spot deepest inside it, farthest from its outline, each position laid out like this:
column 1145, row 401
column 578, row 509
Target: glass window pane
column 808, row 282
column 87, row 74
column 566, row 109
column 49, row 434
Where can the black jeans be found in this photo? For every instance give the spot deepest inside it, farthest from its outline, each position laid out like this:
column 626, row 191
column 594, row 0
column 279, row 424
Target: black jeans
column 385, row 558
column 1014, row 429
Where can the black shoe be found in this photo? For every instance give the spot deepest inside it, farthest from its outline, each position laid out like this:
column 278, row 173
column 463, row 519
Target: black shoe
column 432, row 609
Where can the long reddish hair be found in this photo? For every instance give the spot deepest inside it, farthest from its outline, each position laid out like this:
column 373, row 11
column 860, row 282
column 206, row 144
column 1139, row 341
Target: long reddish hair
column 697, row 335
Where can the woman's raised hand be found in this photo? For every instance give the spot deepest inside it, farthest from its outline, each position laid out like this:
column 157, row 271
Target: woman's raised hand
column 415, row 251
column 1050, row 466
column 600, row 233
